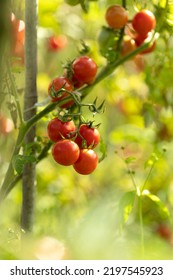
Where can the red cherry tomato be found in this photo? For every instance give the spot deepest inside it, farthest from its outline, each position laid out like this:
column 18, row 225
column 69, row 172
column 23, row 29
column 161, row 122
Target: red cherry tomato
column 56, row 43
column 139, row 40
column 58, row 83
column 17, row 38
column 143, row 22
column 87, row 162
column 57, row 129
column 65, row 152
column 88, row 137
column 84, row 69
column 6, row 125
column 116, row 16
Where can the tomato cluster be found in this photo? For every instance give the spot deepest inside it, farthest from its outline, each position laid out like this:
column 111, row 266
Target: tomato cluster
column 80, row 72
column 74, row 146
column 136, row 30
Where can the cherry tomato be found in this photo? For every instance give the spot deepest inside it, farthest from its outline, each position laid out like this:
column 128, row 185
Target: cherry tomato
column 143, row 22
column 65, row 152
column 84, row 69
column 139, row 40
column 56, row 43
column 6, row 125
column 17, row 38
column 128, row 45
column 58, row 83
column 57, row 129
column 116, row 16
column 88, row 137
column 164, row 231
column 87, row 162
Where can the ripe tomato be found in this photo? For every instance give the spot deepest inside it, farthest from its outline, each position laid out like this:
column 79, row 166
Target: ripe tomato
column 139, row 40
column 18, row 37
column 56, row 43
column 87, row 162
column 128, row 45
column 143, row 22
column 164, row 231
column 57, row 129
column 65, row 152
column 116, row 16
column 55, row 85
column 84, row 70
column 88, row 137
column 6, row 125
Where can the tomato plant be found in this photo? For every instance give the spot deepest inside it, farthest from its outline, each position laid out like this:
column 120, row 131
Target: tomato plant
column 116, row 16
column 102, row 63
column 87, row 162
column 65, row 152
column 58, row 129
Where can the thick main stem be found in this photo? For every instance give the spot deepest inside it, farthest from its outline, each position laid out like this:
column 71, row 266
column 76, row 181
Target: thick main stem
column 29, row 172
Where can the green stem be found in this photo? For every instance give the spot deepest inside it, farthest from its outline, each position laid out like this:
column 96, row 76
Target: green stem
column 110, row 67
column 141, row 225
column 13, row 86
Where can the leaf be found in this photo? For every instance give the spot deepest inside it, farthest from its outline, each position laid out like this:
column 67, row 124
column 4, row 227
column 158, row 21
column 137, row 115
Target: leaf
column 19, row 161
column 103, row 150
column 129, row 160
column 125, row 206
column 159, row 205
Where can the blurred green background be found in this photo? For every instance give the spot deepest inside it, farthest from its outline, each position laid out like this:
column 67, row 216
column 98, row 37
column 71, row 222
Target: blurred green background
column 80, row 217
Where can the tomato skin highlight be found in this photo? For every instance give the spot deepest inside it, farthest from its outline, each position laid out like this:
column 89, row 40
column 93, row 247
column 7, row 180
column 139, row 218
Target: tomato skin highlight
column 65, row 152
column 87, row 162
column 84, row 70
column 116, row 16
column 88, row 137
column 143, row 22
column 55, row 85
column 57, row 129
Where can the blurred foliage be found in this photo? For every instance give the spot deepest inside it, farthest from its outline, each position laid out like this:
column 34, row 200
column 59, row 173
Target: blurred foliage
column 96, row 216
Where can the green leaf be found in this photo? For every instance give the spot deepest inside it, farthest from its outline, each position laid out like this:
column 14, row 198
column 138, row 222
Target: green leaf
column 129, row 160
column 19, row 161
column 158, row 204
column 103, row 150
column 125, row 206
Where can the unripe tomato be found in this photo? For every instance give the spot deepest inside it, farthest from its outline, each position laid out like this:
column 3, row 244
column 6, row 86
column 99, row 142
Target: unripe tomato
column 116, row 16
column 57, row 84
column 143, row 22
column 84, row 70
column 88, row 137
column 65, row 152
column 87, row 162
column 57, row 129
